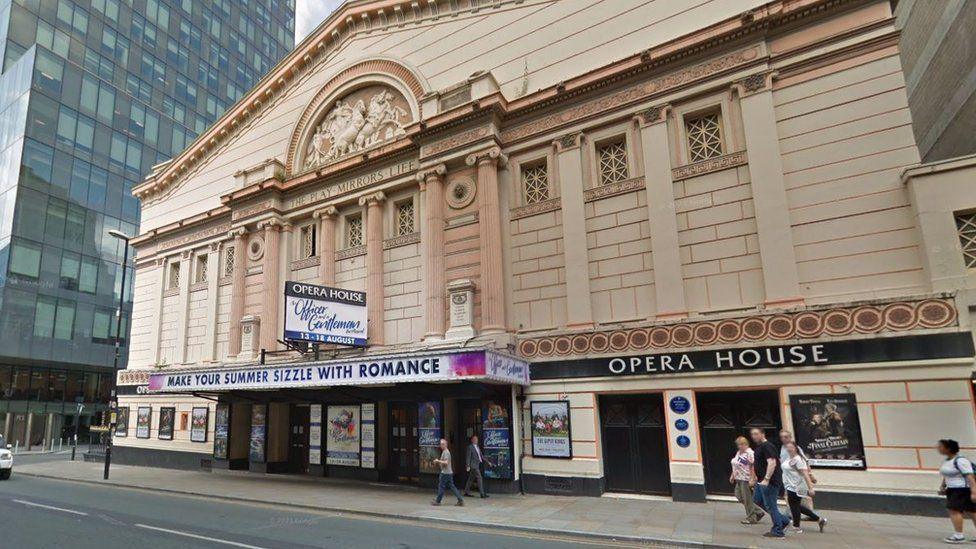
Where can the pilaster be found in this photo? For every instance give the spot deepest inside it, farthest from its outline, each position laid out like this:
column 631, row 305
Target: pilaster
column 775, row 233
column 213, row 275
column 374, row 266
column 327, row 240
column 272, row 283
column 183, row 306
column 237, row 291
column 569, row 165
column 432, row 186
column 669, row 286
column 490, row 233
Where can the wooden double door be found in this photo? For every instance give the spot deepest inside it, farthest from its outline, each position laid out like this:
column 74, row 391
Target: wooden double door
column 404, row 450
column 722, row 417
column 635, row 451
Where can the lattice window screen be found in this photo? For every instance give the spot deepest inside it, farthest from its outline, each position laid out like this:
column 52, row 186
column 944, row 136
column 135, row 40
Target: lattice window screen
column 612, row 158
column 535, row 183
column 354, row 231
column 405, row 218
column 174, row 275
column 308, row 241
column 704, row 137
column 966, row 226
column 229, row 261
column 202, row 264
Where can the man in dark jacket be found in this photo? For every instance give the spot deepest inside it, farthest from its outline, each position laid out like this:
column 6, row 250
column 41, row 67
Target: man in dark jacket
column 472, row 462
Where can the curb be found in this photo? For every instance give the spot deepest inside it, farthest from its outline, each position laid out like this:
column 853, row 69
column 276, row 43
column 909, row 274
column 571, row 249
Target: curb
column 572, row 534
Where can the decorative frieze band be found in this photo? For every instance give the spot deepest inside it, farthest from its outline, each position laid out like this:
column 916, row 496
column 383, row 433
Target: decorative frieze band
column 900, row 316
column 457, row 140
column 613, row 189
column 529, row 210
column 355, row 251
column 715, row 164
column 195, row 236
column 401, row 240
column 313, row 261
column 133, row 377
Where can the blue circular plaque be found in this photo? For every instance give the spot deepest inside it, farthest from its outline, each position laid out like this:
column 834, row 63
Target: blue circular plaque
column 681, row 425
column 684, row 441
column 680, row 405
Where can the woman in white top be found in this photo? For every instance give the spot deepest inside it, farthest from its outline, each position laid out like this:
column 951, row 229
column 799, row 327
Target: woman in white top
column 798, row 484
column 958, row 486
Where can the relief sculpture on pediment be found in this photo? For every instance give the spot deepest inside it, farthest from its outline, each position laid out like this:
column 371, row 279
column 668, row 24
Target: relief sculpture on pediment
column 357, row 122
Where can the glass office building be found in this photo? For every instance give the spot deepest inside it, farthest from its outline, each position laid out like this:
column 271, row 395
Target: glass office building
column 93, row 93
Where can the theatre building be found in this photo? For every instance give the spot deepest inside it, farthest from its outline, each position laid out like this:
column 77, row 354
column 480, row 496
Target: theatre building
column 608, row 237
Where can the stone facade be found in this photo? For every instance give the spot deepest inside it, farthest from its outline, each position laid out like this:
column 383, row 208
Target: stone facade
column 651, row 182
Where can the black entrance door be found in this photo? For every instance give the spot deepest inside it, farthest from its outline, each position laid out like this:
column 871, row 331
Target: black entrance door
column 404, row 452
column 725, row 416
column 635, row 452
column 298, row 439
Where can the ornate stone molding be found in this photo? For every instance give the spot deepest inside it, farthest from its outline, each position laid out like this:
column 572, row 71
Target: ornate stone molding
column 327, row 212
column 631, row 94
column 372, row 198
column 716, row 164
column 347, row 253
column 493, row 155
column 274, row 224
column 196, row 236
column 460, row 193
column 133, row 377
column 874, row 318
column 313, row 261
column 654, row 115
column 569, row 141
column 401, row 240
column 529, row 210
column 436, row 171
column 197, row 286
column 454, row 141
column 254, row 209
column 754, row 83
column 613, row 189
column 236, row 232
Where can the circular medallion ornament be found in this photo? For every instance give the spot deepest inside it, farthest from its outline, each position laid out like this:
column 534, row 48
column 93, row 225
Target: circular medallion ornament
column 683, row 441
column 680, row 405
column 255, row 249
column 460, row 193
column 681, row 424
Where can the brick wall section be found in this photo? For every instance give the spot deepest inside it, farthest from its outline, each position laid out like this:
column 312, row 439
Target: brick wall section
column 351, row 273
column 143, row 348
column 196, row 326
column 845, row 138
column 402, row 289
column 224, row 295
column 538, row 272
column 717, row 240
column 619, row 245
column 167, row 329
column 462, row 259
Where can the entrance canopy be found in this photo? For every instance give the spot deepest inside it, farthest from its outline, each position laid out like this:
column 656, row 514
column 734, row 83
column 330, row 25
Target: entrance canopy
column 482, row 365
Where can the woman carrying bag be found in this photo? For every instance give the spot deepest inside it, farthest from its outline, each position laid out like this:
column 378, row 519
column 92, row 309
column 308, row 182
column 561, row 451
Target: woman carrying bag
column 958, row 487
column 796, row 479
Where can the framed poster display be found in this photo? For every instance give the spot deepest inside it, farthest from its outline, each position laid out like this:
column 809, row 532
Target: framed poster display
column 167, row 420
column 221, row 430
column 198, row 424
column 342, row 445
column 828, row 430
column 143, row 421
column 315, row 434
column 496, row 433
column 551, row 429
column 429, row 435
column 122, row 422
column 259, row 431
column 367, row 436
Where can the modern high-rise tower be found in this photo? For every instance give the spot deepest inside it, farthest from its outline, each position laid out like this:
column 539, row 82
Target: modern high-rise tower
column 93, row 93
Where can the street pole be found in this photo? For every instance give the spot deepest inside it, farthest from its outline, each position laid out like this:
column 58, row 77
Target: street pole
column 118, row 340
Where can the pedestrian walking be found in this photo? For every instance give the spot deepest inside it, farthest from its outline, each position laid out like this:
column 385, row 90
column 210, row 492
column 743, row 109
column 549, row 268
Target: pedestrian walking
column 768, row 481
column 743, row 477
column 799, row 485
column 473, row 461
column 445, row 480
column 958, row 486
column 786, row 437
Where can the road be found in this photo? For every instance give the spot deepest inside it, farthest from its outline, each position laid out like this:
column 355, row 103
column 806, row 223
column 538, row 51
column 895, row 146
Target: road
column 41, row 513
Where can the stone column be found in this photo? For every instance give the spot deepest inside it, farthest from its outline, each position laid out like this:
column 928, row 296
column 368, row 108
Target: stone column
column 669, row 286
column 186, row 268
column 769, row 192
column 569, row 167
column 272, row 283
column 237, row 291
column 374, row 265
column 326, row 251
column 432, row 186
column 213, row 275
column 490, row 233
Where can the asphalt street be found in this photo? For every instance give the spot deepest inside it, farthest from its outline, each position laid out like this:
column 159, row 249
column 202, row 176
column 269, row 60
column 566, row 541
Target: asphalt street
column 41, row 513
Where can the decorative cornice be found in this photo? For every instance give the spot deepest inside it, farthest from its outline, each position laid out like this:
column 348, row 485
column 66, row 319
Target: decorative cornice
column 868, row 318
column 346, row 253
column 569, row 141
column 273, row 224
column 715, row 164
column 191, row 238
column 238, row 232
column 613, row 189
column 529, row 210
column 454, row 141
column 654, row 115
column 401, row 240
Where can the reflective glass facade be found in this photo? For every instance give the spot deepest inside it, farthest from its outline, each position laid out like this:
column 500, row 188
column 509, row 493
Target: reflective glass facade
column 93, row 93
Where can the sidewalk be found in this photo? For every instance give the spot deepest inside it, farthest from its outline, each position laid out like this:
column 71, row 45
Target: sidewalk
column 653, row 522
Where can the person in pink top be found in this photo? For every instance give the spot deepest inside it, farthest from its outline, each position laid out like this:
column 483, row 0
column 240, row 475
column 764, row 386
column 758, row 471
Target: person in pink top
column 742, row 475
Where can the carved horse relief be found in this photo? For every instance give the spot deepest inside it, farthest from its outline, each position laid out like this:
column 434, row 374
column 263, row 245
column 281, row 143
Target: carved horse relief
column 361, row 120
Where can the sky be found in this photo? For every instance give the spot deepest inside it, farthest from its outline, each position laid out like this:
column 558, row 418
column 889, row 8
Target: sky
column 309, row 13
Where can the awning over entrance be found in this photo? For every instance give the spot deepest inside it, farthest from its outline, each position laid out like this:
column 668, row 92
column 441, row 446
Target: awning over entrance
column 461, row 365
